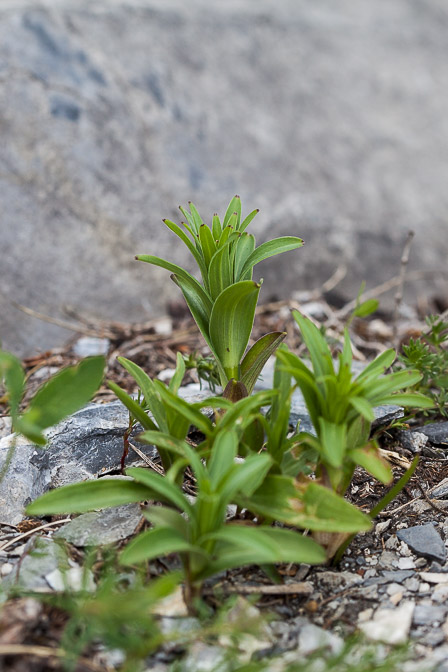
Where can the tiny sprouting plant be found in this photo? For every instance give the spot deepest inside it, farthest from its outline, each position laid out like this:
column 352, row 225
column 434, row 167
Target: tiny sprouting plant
column 223, row 305
column 428, row 354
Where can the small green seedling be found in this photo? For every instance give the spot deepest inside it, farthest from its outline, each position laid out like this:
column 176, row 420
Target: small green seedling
column 428, row 354
column 223, row 306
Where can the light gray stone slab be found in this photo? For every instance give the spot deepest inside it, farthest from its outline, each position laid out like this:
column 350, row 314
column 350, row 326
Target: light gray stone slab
column 113, row 113
column 99, row 528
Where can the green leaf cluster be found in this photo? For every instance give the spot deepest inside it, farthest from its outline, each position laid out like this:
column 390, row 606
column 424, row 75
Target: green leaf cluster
column 223, row 305
column 341, row 405
column 428, row 355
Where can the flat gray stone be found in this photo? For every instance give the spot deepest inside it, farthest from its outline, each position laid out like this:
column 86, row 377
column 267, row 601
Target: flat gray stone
column 40, row 558
column 24, row 480
column 427, row 614
column 100, row 528
column 88, row 444
column 425, row 541
column 100, row 143
column 436, row 432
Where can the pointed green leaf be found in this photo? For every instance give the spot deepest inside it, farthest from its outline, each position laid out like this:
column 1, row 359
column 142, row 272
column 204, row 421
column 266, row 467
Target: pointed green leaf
column 65, row 393
column 244, row 545
column 378, row 366
column 366, row 308
column 219, row 271
column 224, row 451
column 87, row 496
column 257, row 356
column 370, row 459
column 233, row 207
column 216, row 228
column 156, row 543
column 197, row 254
column 271, row 248
column 176, row 380
column 161, row 487
column 362, row 406
column 231, row 323
column 247, row 220
column 333, row 439
column 244, row 247
column 133, row 407
column 317, row 346
column 149, row 392
column 164, row 517
column 410, row 400
column 207, row 242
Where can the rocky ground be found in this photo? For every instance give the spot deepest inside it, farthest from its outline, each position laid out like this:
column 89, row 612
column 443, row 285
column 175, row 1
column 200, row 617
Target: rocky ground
column 392, row 582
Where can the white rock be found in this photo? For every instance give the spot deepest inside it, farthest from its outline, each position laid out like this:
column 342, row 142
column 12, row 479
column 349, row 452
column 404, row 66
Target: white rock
column 172, row 605
column 312, row 638
column 406, row 563
column 434, row 577
column 440, row 593
column 75, row 579
column 6, row 569
column 390, row 626
column 382, row 527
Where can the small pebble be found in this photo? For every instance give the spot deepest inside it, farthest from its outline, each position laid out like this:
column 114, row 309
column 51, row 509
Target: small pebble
column 391, row 543
column 404, row 550
column 393, row 588
column 406, row 563
column 412, row 584
column 423, row 588
column 396, row 598
column 6, row 569
column 440, row 593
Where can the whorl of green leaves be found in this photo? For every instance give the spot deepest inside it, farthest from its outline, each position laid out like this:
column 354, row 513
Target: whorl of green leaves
column 223, row 306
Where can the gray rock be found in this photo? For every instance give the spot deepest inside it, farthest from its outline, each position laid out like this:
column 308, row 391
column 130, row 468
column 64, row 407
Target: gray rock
column 99, row 143
column 87, row 346
column 88, row 444
column 439, row 491
column 41, row 557
column 99, row 528
column 436, row 432
column 398, row 575
column 426, row 614
column 313, row 638
column 24, row 479
column 425, row 541
column 390, row 626
column 413, row 440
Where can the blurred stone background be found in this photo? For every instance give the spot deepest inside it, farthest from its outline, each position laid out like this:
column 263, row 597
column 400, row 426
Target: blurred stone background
column 329, row 116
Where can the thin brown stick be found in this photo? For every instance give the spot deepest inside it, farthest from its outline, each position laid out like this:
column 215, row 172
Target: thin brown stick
column 55, row 523
column 430, row 501
column 147, row 460
column 78, row 328
column 387, row 287
column 399, row 293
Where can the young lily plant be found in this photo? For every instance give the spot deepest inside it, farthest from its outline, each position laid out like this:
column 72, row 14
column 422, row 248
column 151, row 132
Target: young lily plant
column 223, row 305
column 341, row 408
column 196, row 530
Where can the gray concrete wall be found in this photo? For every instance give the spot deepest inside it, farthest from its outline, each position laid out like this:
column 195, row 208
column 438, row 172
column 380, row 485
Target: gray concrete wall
column 330, row 116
